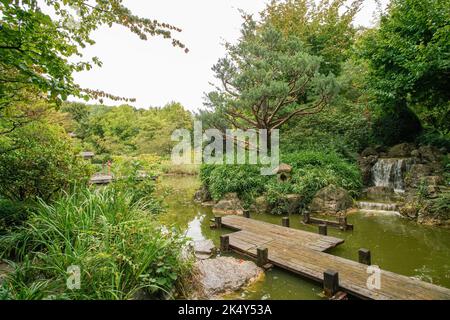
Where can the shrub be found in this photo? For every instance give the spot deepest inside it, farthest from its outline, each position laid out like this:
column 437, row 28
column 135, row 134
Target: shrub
column 312, row 170
column 245, row 180
column 119, row 249
column 38, row 160
column 12, row 213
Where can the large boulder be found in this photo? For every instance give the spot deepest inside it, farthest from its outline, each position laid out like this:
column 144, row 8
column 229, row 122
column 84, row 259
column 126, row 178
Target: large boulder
column 331, row 200
column 230, row 204
column 288, row 204
column 202, row 195
column 365, row 166
column 261, row 205
column 402, row 150
column 416, row 174
column 224, row 275
column 369, row 151
column 204, row 249
column 429, row 154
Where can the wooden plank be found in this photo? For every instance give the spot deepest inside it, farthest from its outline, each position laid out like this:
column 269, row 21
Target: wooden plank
column 353, row 275
column 294, row 236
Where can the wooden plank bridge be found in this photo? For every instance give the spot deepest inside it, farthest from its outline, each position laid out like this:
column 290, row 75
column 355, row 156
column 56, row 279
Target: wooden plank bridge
column 303, row 253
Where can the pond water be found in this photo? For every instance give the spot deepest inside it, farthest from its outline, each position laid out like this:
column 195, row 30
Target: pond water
column 396, row 244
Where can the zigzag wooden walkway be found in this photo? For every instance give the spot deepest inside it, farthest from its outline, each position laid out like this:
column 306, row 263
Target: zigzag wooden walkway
column 301, row 252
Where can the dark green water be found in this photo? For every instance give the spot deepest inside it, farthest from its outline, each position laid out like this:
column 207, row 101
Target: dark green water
column 397, row 244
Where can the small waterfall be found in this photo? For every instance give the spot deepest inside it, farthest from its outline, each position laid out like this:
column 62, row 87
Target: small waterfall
column 390, row 172
column 379, row 207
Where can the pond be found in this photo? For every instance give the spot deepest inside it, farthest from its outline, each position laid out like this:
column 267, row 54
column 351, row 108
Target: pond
column 396, row 244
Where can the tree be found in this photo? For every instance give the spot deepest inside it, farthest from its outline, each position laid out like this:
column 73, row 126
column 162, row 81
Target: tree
column 35, row 47
column 268, row 79
column 409, row 59
column 324, row 26
column 41, row 161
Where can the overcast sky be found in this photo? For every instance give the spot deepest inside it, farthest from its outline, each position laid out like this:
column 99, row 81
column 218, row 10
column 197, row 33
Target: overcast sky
column 156, row 73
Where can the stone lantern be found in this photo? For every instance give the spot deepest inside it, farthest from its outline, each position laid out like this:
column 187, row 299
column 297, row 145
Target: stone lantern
column 283, row 172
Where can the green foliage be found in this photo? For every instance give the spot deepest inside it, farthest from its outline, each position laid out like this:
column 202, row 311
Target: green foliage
column 409, row 60
column 125, row 130
column 435, row 138
column 312, row 170
column 134, row 175
column 245, row 180
column 38, row 160
column 268, row 79
column 12, row 213
column 396, row 126
column 119, row 249
column 324, row 26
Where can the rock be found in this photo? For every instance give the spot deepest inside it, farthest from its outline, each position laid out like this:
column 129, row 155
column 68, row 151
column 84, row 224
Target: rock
column 369, row 151
column 261, row 205
column 224, row 275
column 365, row 165
column 429, row 154
column 204, row 249
column 401, row 150
column 416, row 174
column 378, row 193
column 409, row 210
column 415, row 154
column 331, row 199
column 288, row 204
column 202, row 195
column 230, row 204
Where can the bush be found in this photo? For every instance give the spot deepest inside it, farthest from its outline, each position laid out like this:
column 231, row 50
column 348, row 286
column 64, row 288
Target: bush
column 38, row 160
column 119, row 249
column 12, row 214
column 245, row 180
column 312, row 170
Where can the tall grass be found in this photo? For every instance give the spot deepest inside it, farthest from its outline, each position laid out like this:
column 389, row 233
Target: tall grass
column 113, row 239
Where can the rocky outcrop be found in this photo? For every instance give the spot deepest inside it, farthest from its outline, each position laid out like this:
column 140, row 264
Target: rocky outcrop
column 378, row 193
column 261, row 205
column 287, row 204
column 331, row 200
column 224, row 275
column 402, row 150
column 365, row 165
column 230, row 204
column 204, row 249
column 202, row 195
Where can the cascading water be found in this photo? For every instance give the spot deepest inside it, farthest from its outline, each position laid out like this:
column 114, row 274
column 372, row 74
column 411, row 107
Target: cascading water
column 390, row 172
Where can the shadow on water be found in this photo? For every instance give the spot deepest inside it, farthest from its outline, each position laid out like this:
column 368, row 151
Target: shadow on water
column 396, row 244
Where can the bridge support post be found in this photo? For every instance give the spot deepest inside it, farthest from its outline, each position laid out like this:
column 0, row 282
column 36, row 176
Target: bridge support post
column 364, row 256
column 218, row 222
column 285, row 222
column 323, row 230
column 262, row 256
column 306, row 216
column 224, row 243
column 330, row 283
column 247, row 213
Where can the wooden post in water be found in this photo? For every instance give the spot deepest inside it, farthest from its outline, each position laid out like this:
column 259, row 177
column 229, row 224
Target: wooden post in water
column 330, row 283
column 306, row 216
column 323, row 229
column 285, row 222
column 218, row 221
column 224, row 243
column 364, row 256
column 247, row 213
column 262, row 256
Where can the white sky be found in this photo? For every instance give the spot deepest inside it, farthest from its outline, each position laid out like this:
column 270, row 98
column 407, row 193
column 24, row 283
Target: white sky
column 156, row 73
